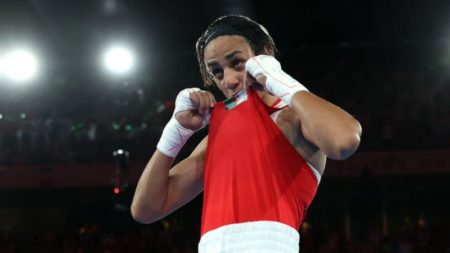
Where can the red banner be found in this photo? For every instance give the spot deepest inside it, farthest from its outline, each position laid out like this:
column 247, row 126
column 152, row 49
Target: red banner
column 392, row 163
column 101, row 174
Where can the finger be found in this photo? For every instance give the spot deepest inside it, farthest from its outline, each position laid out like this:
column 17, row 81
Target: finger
column 258, row 82
column 261, row 79
column 203, row 106
column 248, row 80
column 208, row 102
column 195, row 99
column 212, row 99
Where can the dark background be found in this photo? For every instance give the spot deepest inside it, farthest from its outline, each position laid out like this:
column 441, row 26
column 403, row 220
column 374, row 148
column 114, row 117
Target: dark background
column 385, row 62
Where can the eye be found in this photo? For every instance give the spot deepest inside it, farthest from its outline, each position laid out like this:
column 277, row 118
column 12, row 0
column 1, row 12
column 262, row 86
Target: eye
column 217, row 73
column 237, row 63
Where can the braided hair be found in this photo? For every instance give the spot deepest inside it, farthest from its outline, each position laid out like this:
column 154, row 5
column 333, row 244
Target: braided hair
column 255, row 34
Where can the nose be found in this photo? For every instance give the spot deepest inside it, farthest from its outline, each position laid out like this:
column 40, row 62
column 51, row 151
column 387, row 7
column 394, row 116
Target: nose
column 231, row 79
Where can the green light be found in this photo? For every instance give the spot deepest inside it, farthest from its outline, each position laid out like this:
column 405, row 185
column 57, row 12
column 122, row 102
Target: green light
column 116, row 126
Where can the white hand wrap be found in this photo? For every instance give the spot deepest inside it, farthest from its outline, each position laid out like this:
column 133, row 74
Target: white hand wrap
column 173, row 138
column 174, row 135
column 184, row 103
column 278, row 82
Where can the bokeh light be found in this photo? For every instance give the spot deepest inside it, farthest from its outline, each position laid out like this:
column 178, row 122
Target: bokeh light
column 1, row 68
column 119, row 60
column 19, row 65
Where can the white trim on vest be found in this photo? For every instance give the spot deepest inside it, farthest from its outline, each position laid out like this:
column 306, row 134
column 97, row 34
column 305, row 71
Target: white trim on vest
column 251, row 237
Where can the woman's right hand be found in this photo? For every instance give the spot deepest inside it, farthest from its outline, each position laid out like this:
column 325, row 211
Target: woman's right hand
column 192, row 108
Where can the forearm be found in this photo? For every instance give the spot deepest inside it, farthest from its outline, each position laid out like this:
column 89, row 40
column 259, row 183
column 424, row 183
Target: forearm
column 152, row 189
column 326, row 125
column 161, row 189
column 331, row 129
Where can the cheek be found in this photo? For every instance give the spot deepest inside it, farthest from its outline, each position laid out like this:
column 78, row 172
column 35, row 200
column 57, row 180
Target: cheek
column 221, row 88
column 218, row 84
column 226, row 92
column 238, row 73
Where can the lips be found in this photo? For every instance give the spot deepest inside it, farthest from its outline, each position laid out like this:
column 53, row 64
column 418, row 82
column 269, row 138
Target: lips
column 238, row 93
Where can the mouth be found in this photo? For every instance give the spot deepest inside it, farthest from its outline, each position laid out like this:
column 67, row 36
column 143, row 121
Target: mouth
column 236, row 94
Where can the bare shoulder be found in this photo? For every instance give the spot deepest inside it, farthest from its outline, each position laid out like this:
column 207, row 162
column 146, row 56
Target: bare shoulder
column 291, row 126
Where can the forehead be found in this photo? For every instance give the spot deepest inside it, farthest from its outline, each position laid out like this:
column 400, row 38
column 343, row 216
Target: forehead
column 222, row 45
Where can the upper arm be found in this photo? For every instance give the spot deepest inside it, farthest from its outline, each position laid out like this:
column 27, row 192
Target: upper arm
column 290, row 124
column 186, row 178
column 310, row 152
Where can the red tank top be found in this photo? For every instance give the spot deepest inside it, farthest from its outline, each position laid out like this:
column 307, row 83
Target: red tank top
column 252, row 172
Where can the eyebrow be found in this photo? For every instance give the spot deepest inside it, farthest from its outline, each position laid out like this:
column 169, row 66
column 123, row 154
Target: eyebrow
column 228, row 56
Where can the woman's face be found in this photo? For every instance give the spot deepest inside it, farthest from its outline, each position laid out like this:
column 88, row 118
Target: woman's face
column 225, row 58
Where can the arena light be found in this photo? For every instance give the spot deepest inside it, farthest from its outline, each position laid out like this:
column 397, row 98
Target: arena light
column 19, row 65
column 119, row 60
column 1, row 68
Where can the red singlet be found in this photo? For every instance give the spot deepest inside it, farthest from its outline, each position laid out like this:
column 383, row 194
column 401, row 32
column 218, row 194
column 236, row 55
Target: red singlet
column 252, row 172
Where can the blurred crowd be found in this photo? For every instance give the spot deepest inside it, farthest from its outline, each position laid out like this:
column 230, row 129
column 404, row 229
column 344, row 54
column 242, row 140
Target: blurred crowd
column 84, row 131
column 162, row 237
column 178, row 236
column 407, row 238
column 399, row 108
column 404, row 108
